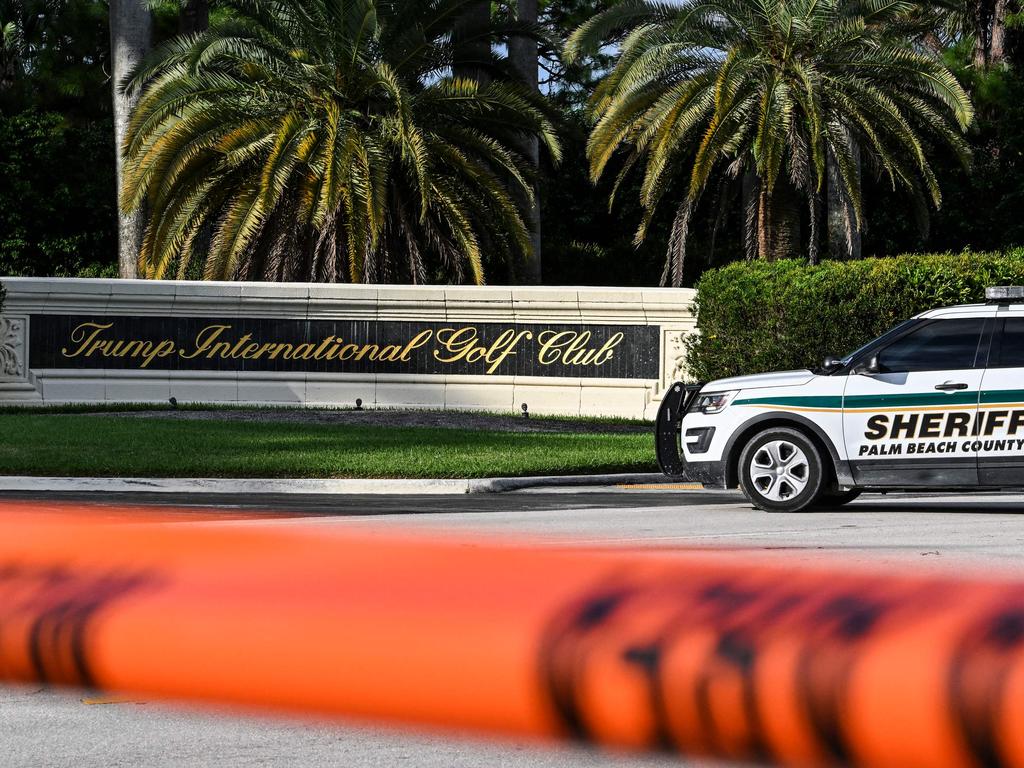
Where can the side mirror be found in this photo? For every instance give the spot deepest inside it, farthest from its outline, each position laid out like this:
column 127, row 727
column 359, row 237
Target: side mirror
column 868, row 368
column 831, row 364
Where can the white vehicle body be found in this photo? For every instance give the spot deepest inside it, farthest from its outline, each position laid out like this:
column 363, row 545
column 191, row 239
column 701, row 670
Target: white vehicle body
column 937, row 402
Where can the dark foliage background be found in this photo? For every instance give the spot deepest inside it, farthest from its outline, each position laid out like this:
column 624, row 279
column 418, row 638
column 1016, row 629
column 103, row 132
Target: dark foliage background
column 57, row 213
column 57, row 204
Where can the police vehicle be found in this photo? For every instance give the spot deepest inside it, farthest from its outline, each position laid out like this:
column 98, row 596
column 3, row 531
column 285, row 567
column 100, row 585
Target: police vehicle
column 935, row 403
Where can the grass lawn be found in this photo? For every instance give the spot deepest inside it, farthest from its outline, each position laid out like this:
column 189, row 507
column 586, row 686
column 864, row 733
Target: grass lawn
column 108, row 446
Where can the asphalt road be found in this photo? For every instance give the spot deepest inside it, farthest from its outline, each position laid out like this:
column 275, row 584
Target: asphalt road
column 44, row 728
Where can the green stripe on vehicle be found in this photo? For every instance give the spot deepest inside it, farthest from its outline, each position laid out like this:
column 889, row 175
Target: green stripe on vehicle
column 988, row 397
column 810, row 401
column 996, row 396
column 910, row 401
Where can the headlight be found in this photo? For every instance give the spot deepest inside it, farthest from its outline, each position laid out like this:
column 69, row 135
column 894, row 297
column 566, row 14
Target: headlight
column 713, row 402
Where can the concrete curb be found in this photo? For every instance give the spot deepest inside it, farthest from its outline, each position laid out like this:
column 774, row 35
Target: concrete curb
column 310, row 486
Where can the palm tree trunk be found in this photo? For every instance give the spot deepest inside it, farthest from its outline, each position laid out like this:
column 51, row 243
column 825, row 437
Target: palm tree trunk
column 778, row 221
column 522, row 54
column 844, row 238
column 997, row 39
column 194, row 16
column 786, row 207
column 750, row 200
column 130, row 40
column 814, row 210
column 764, row 224
column 983, row 12
column 471, row 54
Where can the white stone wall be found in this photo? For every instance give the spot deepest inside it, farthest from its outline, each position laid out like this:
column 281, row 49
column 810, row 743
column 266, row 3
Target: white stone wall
column 667, row 308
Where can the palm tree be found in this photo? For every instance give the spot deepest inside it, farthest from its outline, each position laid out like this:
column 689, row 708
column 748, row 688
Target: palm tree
column 522, row 53
column 130, row 39
column 772, row 89
column 317, row 140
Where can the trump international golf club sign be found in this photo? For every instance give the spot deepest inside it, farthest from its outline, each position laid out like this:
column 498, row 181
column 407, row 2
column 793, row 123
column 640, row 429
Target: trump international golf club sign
column 583, row 351
column 260, row 344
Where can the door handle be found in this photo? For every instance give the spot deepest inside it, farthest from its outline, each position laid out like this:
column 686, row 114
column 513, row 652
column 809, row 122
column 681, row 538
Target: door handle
column 949, row 386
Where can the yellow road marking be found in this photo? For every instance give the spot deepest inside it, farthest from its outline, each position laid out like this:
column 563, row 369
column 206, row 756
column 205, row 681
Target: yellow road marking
column 109, row 700
column 662, row 486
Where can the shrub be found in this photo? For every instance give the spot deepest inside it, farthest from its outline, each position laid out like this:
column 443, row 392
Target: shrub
column 767, row 316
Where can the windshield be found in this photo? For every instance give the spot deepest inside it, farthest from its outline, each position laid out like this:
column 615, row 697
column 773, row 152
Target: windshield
column 891, row 332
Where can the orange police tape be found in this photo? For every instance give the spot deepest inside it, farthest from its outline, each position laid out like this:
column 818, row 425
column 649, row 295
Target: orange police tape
column 696, row 652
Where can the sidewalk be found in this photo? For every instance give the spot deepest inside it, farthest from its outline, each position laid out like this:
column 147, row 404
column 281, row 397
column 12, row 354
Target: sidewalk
column 314, row 486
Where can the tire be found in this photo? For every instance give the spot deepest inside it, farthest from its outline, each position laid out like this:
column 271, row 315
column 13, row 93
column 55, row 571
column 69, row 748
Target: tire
column 781, row 470
column 838, row 498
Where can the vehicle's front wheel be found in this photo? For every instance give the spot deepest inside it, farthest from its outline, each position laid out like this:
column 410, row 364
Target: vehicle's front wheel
column 781, row 470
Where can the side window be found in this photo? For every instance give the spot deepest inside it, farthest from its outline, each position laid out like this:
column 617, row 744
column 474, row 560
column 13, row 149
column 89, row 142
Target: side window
column 936, row 346
column 1011, row 350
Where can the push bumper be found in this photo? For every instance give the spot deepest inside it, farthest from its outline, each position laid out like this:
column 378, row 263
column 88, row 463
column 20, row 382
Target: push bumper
column 668, row 440
column 710, row 474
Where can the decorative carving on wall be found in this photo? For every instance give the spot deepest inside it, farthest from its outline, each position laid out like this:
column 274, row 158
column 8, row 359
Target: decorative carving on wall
column 677, row 355
column 12, row 347
column 673, row 364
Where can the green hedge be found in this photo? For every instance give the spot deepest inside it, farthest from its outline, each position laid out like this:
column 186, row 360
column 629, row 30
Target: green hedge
column 769, row 316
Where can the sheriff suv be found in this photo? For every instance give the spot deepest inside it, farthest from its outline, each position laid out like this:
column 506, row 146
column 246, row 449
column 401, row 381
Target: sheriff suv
column 935, row 403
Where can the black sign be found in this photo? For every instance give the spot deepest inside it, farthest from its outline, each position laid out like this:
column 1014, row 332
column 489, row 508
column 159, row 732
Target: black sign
column 343, row 346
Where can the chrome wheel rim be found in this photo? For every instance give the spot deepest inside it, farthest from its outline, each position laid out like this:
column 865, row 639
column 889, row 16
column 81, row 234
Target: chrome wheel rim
column 779, row 470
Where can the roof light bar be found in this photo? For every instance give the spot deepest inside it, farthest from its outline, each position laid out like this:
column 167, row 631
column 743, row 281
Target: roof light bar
column 1004, row 293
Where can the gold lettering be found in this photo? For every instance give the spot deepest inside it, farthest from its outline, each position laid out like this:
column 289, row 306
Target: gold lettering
column 503, row 347
column 113, row 348
column 249, row 353
column 235, row 350
column 163, row 349
column 285, row 350
column 576, row 353
column 303, row 351
column 83, row 336
column 464, row 344
column 605, row 353
column 458, row 341
column 319, row 354
column 204, row 339
column 366, row 350
column 392, row 353
column 221, row 349
column 416, row 342
column 88, row 344
column 135, row 347
column 570, row 347
column 333, row 352
column 551, row 343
